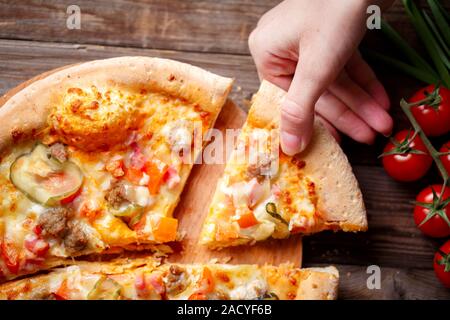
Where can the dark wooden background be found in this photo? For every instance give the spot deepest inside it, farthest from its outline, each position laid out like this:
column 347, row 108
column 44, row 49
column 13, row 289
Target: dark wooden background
column 213, row 35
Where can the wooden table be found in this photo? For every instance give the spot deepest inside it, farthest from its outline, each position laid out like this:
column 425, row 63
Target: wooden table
column 213, row 34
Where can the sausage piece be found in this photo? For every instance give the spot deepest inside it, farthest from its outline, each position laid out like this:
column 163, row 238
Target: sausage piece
column 53, row 222
column 116, row 195
column 76, row 239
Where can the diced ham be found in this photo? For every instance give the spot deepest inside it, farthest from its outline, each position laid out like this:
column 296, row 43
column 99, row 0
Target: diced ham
column 172, row 178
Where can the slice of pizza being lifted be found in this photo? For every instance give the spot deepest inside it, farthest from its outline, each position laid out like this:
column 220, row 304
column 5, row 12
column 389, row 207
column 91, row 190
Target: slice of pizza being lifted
column 264, row 193
column 94, row 158
column 146, row 280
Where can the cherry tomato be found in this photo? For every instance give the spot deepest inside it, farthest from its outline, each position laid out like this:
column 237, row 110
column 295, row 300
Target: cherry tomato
column 406, row 159
column 441, row 264
column 432, row 215
column 433, row 118
column 446, row 158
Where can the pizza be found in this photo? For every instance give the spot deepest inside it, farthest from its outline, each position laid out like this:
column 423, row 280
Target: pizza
column 93, row 158
column 144, row 279
column 264, row 193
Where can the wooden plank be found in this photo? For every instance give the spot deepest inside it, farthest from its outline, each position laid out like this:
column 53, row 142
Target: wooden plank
column 392, row 237
column 205, row 26
column 392, row 240
column 396, row 283
column 22, row 60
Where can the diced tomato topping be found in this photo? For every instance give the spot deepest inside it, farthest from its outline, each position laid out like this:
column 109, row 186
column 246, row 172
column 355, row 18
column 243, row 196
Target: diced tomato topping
column 10, row 256
column 247, row 220
column 36, row 245
column 206, row 284
column 70, row 198
column 165, row 229
column 134, row 175
column 156, row 171
column 63, row 292
column 37, row 230
column 197, row 296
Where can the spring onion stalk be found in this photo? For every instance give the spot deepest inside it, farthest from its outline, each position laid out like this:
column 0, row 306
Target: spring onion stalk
column 440, row 20
column 429, row 41
column 436, row 33
column 412, row 71
column 403, row 46
column 443, row 11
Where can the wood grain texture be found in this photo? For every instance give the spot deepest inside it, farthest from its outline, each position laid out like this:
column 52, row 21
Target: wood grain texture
column 215, row 33
column 396, row 283
column 201, row 26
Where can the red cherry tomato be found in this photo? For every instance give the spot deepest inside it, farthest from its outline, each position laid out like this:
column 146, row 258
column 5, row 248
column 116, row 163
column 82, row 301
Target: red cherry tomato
column 430, row 214
column 434, row 119
column 441, row 264
column 405, row 165
column 446, row 158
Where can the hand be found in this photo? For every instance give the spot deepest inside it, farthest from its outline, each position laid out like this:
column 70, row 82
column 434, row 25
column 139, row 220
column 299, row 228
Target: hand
column 309, row 48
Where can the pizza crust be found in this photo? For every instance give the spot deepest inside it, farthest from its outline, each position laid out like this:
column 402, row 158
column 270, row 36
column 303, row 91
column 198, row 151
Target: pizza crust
column 339, row 197
column 26, row 112
column 310, row 283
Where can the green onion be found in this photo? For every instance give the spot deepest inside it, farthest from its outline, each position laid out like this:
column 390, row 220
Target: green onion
column 271, row 209
column 412, row 71
column 403, row 46
column 436, row 33
column 429, row 41
column 440, row 20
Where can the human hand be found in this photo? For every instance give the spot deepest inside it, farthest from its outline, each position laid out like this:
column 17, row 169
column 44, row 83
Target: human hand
column 309, row 48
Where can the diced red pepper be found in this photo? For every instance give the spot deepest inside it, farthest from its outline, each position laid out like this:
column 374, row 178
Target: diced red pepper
column 10, row 256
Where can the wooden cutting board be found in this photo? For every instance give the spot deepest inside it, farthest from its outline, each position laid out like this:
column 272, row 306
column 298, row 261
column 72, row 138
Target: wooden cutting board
column 195, row 200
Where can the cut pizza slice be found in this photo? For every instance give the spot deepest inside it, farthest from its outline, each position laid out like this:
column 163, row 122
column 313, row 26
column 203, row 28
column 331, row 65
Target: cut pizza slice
column 94, row 158
column 141, row 279
column 264, row 193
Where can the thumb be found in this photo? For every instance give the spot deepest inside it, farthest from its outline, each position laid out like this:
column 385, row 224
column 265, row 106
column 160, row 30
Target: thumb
column 310, row 80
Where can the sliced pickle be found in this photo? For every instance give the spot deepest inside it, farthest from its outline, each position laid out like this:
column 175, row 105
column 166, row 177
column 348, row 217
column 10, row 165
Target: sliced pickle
column 105, row 289
column 43, row 178
column 130, row 213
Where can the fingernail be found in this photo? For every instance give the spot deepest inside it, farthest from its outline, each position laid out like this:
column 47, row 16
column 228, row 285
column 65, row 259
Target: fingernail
column 290, row 143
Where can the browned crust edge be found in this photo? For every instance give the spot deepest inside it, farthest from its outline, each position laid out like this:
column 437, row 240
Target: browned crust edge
column 339, row 197
column 27, row 110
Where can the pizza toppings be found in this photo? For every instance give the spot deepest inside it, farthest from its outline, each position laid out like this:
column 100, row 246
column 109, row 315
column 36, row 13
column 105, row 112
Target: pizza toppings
column 53, row 222
column 59, row 152
column 76, row 238
column 176, row 280
column 105, row 289
column 57, row 223
column 43, row 178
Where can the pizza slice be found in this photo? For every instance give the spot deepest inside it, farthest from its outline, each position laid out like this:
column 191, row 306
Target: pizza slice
column 144, row 280
column 264, row 193
column 94, row 158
